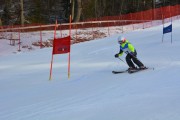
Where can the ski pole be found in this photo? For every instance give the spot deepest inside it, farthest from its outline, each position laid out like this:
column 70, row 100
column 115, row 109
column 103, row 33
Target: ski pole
column 134, row 56
column 121, row 60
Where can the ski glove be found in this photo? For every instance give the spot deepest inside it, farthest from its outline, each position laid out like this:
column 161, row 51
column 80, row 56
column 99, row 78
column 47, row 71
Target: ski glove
column 116, row 55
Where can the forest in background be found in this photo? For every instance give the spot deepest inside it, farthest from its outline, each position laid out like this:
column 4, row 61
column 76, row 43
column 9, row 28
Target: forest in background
column 47, row 11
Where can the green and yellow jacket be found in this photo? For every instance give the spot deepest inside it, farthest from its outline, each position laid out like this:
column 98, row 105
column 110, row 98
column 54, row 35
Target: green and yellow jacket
column 126, row 47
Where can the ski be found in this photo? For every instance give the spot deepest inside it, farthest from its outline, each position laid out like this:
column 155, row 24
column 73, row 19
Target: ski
column 138, row 70
column 117, row 72
column 131, row 71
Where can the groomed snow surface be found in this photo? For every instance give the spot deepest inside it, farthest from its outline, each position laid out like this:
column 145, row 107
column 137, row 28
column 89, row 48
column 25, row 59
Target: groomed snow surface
column 93, row 92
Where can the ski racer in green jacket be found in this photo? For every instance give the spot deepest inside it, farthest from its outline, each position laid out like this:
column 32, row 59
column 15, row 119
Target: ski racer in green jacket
column 128, row 48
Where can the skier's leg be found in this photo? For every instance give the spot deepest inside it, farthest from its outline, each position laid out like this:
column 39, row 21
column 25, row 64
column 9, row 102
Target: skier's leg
column 137, row 62
column 129, row 62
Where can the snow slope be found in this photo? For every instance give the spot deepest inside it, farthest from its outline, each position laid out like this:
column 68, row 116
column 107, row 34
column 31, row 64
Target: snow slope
column 93, row 92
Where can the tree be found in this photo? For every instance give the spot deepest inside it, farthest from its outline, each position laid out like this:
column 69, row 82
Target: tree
column 77, row 10
column 22, row 12
column 0, row 22
column 6, row 14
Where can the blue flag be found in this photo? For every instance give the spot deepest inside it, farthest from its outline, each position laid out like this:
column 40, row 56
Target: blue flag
column 167, row 29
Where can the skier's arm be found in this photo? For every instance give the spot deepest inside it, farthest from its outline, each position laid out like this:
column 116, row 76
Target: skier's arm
column 131, row 48
column 120, row 53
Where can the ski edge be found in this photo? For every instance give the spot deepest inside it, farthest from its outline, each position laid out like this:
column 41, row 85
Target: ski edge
column 126, row 71
column 117, row 72
column 148, row 68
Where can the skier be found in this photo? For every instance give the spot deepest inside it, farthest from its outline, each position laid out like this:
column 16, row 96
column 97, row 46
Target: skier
column 128, row 48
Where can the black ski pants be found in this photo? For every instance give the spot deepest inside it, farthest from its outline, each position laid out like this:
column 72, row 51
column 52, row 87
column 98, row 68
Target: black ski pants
column 130, row 58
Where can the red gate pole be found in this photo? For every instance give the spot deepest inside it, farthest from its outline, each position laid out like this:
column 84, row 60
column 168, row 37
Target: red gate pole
column 40, row 37
column 19, row 40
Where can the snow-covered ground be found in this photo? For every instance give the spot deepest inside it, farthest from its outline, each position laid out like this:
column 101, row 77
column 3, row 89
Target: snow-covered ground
column 93, row 92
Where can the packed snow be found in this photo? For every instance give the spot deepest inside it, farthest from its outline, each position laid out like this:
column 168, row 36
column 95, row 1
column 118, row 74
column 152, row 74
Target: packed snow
column 93, row 92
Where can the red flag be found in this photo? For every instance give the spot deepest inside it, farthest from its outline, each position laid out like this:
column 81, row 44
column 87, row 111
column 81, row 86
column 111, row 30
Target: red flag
column 61, row 45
